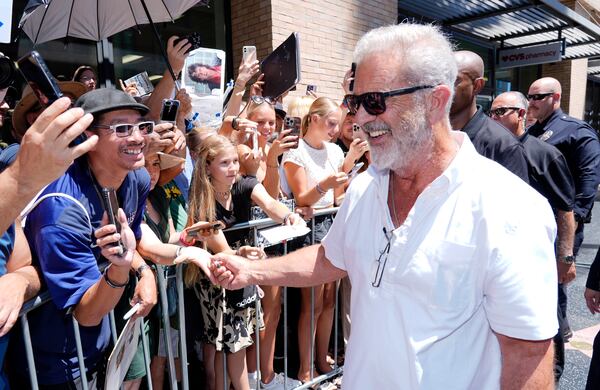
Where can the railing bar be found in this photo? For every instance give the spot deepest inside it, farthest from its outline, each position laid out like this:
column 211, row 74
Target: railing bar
column 82, row 370
column 182, row 329
column 162, row 287
column 29, row 352
column 146, row 350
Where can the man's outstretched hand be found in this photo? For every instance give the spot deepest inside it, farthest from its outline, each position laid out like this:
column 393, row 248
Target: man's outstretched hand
column 230, row 271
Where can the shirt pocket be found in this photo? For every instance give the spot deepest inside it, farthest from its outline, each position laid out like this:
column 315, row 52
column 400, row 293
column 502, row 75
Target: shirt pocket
column 453, row 273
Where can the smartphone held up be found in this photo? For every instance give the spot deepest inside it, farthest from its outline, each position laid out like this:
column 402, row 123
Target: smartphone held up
column 38, row 76
column 294, row 123
column 111, row 206
column 168, row 112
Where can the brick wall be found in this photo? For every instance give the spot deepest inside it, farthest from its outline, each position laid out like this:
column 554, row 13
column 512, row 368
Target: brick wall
column 328, row 31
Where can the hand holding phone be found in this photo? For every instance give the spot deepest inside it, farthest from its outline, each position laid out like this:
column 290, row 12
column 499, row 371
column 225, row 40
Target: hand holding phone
column 204, row 229
column 168, row 112
column 355, row 170
column 249, row 54
column 194, row 39
column 111, row 206
column 294, row 123
column 311, row 90
column 38, row 76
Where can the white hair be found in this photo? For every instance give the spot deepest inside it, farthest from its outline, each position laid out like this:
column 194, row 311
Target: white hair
column 423, row 51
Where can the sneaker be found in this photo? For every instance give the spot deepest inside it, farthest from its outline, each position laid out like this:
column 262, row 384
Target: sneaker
column 252, row 379
column 567, row 335
column 277, row 383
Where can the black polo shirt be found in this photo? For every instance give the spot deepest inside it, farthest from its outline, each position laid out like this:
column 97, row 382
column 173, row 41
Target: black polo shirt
column 497, row 143
column 549, row 173
column 578, row 142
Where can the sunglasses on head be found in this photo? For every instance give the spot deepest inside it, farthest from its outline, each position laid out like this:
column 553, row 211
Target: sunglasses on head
column 126, row 129
column 256, row 99
column 539, row 96
column 501, row 111
column 374, row 102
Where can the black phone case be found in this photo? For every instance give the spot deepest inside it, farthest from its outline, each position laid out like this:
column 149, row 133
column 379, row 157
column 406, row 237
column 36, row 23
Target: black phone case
column 38, row 76
column 168, row 112
column 111, row 206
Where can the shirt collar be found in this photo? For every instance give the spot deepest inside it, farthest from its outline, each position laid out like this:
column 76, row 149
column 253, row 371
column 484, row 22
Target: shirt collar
column 476, row 122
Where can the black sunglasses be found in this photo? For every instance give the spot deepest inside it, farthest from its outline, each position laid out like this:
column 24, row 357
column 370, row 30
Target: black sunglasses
column 500, row 111
column 374, row 102
column 539, row 96
column 256, row 99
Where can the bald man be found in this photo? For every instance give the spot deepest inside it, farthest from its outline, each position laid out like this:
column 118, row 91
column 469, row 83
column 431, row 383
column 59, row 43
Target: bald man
column 489, row 138
column 578, row 142
column 549, row 174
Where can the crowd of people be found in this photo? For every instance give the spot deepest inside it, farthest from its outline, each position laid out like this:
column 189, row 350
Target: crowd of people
column 453, row 248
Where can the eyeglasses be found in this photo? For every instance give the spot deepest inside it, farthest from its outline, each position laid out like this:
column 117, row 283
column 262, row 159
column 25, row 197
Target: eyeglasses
column 257, row 99
column 501, row 111
column 382, row 260
column 126, row 129
column 539, row 96
column 374, row 102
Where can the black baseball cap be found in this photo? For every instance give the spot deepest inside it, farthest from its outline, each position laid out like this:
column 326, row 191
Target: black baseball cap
column 102, row 100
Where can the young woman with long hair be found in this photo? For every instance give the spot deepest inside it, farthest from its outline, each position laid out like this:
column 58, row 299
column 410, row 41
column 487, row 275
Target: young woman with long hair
column 313, row 171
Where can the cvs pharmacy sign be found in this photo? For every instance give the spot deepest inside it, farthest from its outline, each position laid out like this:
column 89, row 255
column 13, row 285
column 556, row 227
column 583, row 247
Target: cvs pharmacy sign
column 530, row 55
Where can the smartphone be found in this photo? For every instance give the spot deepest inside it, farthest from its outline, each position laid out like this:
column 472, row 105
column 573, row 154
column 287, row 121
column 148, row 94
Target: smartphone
column 355, row 170
column 294, row 123
column 355, row 127
column 248, row 54
column 205, row 229
column 168, row 112
column 353, row 68
column 311, row 88
column 38, row 76
column 111, row 206
column 194, row 39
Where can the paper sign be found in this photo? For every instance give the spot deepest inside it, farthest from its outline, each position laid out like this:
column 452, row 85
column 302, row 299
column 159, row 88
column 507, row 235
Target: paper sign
column 142, row 83
column 283, row 233
column 5, row 20
column 122, row 355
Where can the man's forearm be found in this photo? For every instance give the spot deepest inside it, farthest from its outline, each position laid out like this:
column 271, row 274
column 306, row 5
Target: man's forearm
column 526, row 364
column 101, row 298
column 565, row 222
column 16, row 194
column 302, row 268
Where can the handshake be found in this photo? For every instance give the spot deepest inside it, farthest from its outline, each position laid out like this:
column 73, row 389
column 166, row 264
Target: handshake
column 231, row 271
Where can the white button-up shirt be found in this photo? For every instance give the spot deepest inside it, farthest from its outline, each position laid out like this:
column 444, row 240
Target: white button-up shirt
column 474, row 256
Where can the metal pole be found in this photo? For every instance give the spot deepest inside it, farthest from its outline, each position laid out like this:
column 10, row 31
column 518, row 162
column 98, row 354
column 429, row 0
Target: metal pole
column 285, row 328
column 160, row 44
column 146, row 350
column 29, row 352
column 182, row 331
column 82, row 371
column 336, row 327
column 312, row 312
column 113, row 326
column 256, row 327
column 162, row 290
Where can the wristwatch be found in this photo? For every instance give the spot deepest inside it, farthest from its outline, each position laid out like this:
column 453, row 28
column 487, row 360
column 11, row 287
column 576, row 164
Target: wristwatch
column 234, row 123
column 140, row 269
column 570, row 259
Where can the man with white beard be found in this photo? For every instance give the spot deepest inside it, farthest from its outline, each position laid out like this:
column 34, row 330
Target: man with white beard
column 453, row 282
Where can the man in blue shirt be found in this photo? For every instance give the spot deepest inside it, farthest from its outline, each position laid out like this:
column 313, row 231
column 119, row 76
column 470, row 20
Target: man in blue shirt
column 578, row 142
column 60, row 233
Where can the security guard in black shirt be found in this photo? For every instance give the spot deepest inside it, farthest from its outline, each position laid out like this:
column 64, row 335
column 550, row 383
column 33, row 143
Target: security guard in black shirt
column 488, row 137
column 578, row 142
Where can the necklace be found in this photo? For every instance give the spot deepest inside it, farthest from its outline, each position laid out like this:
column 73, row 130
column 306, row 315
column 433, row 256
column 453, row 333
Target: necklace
column 224, row 194
column 393, row 200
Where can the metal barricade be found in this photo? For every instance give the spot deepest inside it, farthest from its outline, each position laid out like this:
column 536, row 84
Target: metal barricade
column 252, row 226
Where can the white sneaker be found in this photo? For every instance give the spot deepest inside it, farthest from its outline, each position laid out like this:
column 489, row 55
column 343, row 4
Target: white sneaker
column 278, row 383
column 252, row 379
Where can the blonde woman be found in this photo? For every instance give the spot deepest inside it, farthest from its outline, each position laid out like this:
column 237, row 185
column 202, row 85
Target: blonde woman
column 313, row 171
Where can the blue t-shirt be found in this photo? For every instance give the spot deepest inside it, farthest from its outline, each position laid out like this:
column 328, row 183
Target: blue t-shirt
column 61, row 243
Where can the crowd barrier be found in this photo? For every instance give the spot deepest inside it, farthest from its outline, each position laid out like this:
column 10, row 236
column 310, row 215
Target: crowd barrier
column 251, row 226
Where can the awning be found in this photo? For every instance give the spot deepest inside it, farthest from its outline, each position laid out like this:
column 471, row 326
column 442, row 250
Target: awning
column 511, row 22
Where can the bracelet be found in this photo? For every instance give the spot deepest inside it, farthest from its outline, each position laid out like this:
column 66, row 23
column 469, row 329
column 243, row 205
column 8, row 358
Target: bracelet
column 276, row 166
column 110, row 282
column 287, row 216
column 178, row 251
column 183, row 242
column 140, row 269
column 239, row 85
column 320, row 190
column 234, row 123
